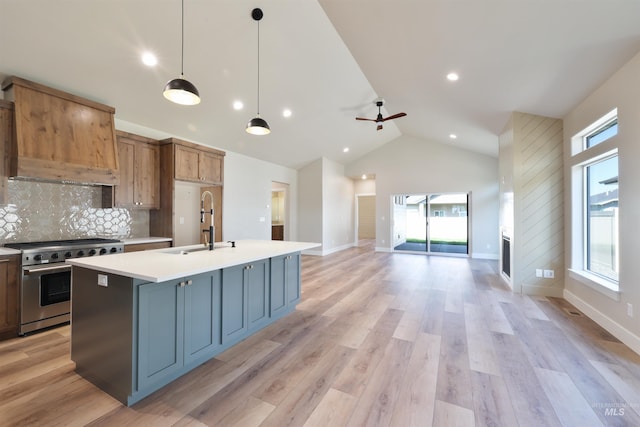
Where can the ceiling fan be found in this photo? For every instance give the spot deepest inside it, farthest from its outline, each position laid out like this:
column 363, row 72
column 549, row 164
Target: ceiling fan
column 379, row 120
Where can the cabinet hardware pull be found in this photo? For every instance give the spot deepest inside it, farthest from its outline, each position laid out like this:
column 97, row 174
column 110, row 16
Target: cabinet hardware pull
column 2, row 261
column 189, row 282
column 181, row 284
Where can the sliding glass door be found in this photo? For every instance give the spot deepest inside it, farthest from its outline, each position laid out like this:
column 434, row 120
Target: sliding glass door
column 431, row 223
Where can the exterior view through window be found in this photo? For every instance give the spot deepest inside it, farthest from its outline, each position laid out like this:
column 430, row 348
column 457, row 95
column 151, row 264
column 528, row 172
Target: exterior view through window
column 595, row 195
column 431, row 223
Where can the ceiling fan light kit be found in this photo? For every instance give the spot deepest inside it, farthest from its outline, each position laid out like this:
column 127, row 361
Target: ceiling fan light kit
column 257, row 125
column 379, row 119
column 179, row 90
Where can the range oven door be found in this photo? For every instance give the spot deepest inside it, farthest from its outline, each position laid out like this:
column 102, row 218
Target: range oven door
column 45, row 296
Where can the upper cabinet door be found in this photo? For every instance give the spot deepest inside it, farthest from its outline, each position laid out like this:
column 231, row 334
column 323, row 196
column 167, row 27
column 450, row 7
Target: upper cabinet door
column 147, row 176
column 186, row 164
column 139, row 174
column 197, row 165
column 210, row 168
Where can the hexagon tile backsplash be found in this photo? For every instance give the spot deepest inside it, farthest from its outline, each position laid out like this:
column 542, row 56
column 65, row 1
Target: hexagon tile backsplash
column 41, row 211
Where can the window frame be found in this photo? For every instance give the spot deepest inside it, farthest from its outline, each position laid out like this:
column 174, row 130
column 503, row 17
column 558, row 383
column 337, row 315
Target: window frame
column 584, row 156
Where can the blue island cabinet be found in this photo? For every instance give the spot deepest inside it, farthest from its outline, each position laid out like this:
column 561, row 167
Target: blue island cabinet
column 130, row 337
column 178, row 323
column 285, row 284
column 245, row 300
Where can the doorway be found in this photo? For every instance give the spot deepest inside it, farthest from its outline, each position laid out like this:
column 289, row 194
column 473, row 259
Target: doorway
column 365, row 217
column 279, row 211
column 431, row 223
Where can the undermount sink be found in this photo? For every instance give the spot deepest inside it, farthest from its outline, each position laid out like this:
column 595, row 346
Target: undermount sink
column 186, row 251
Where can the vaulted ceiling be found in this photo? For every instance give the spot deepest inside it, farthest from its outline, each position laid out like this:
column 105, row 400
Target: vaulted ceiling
column 326, row 61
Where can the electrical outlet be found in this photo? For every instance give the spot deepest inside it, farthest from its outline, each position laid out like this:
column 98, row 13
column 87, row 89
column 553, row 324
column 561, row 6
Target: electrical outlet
column 548, row 274
column 629, row 309
column 103, row 280
column 538, row 272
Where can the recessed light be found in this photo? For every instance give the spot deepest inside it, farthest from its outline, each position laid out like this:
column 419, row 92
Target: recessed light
column 286, row 112
column 238, row 105
column 345, row 150
column 149, row 59
column 453, row 136
column 453, row 76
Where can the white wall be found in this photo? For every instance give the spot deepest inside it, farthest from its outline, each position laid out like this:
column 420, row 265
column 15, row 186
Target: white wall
column 246, row 209
column 411, row 165
column 339, row 208
column 620, row 91
column 310, row 202
column 326, row 206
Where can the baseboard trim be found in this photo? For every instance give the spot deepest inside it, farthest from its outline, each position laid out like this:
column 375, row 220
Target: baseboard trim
column 542, row 291
column 480, row 255
column 322, row 252
column 613, row 327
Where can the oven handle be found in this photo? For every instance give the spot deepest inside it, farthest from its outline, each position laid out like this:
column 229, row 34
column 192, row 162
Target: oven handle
column 38, row 270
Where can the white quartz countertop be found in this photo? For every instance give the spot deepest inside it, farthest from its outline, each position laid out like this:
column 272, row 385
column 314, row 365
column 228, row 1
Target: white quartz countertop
column 165, row 264
column 9, row 251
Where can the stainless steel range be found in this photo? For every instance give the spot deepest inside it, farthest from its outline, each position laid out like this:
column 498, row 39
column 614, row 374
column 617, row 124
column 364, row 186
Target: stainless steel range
column 45, row 287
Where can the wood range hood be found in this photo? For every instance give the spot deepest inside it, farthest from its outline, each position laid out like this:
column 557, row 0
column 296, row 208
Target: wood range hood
column 59, row 136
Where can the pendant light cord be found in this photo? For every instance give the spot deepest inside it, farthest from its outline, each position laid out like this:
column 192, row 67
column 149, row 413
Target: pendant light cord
column 258, row 68
column 182, row 46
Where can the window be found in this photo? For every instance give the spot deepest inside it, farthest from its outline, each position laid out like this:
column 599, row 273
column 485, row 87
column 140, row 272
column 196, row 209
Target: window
column 595, row 211
column 602, row 134
column 602, row 218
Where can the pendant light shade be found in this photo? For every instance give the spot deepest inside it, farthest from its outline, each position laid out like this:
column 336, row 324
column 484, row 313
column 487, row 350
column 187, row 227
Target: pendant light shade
column 179, row 90
column 257, row 125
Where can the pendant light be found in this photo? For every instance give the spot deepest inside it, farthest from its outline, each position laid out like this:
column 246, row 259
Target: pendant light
column 179, row 90
column 257, row 125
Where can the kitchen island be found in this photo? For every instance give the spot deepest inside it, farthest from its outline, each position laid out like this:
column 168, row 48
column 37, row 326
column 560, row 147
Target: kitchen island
column 140, row 320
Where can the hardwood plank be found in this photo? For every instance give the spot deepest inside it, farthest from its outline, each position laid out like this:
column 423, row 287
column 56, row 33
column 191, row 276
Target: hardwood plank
column 414, row 406
column 622, row 382
column 355, row 377
column 571, row 407
column 251, row 412
column 296, row 408
column 491, row 401
column 482, row 357
column 333, row 410
column 530, row 404
column 450, row 415
column 375, row 406
column 454, row 384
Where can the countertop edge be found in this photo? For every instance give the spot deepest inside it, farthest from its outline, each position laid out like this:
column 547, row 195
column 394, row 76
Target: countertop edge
column 129, row 264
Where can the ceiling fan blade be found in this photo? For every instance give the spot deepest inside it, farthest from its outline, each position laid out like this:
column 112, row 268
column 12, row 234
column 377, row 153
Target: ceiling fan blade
column 362, row 118
column 395, row 116
column 379, row 127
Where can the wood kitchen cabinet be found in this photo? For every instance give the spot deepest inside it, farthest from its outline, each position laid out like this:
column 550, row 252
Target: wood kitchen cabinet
column 6, row 141
column 196, row 164
column 139, row 160
column 180, row 162
column 9, row 274
column 61, row 136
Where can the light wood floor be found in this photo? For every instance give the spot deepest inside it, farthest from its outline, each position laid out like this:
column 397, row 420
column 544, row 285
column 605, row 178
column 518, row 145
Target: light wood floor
column 378, row 340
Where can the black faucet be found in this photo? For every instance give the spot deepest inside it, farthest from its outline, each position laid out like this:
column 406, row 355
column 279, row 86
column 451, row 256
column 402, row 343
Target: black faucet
column 202, row 213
